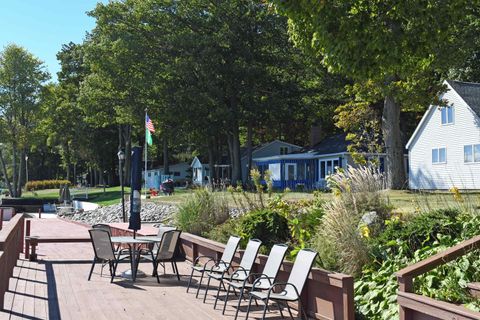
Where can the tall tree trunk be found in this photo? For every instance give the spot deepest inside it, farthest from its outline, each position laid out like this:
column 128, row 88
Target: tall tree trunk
column 74, row 173
column 249, row 149
column 14, row 168
column 230, row 154
column 237, row 165
column 393, row 144
column 128, row 155
column 166, row 168
column 5, row 174
column 211, row 160
column 21, row 173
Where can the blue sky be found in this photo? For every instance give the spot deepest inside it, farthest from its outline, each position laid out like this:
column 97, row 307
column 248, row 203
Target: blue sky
column 42, row 26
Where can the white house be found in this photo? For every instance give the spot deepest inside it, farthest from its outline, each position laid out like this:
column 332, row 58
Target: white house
column 269, row 149
column 200, row 171
column 444, row 150
column 178, row 173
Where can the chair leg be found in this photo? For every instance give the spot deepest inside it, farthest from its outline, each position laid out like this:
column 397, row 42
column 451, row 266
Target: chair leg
column 265, row 309
column 239, row 302
column 218, row 293
column 280, row 309
column 226, row 299
column 176, row 270
column 206, row 289
column 199, row 284
column 249, row 305
column 114, row 270
column 91, row 269
column 190, row 280
column 289, row 311
column 303, row 313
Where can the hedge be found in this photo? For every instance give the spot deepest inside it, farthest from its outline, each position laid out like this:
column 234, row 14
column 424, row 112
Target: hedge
column 46, row 184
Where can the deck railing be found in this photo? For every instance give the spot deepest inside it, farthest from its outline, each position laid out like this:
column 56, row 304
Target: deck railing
column 11, row 244
column 327, row 295
column 414, row 306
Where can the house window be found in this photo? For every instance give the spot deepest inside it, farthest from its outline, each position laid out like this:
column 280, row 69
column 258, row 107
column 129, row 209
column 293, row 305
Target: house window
column 291, row 174
column 301, row 171
column 471, row 153
column 176, row 174
column 283, row 150
column 328, row 167
column 447, row 115
column 149, row 174
column 439, row 155
column 155, row 173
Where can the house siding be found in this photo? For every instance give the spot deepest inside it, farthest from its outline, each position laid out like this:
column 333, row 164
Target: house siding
column 454, row 173
column 272, row 149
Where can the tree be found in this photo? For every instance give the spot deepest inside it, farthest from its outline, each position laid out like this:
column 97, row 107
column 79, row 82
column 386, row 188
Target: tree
column 398, row 49
column 21, row 82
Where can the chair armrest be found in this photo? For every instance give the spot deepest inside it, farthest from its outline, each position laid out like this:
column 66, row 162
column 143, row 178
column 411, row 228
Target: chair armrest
column 217, row 264
column 261, row 276
column 284, row 284
column 236, row 273
column 197, row 260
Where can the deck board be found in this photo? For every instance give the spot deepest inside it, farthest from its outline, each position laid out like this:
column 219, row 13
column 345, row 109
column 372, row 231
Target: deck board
column 56, row 287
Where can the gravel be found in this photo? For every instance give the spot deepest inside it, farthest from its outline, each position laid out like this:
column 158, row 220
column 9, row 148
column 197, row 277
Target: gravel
column 151, row 212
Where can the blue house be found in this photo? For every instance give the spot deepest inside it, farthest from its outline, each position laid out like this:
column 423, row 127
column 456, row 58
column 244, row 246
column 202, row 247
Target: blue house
column 309, row 168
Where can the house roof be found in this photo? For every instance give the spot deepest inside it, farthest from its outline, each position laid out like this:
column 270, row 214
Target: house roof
column 332, row 144
column 243, row 150
column 468, row 91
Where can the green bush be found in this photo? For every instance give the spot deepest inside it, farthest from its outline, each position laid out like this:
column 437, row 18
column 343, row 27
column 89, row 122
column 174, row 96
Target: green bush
column 46, row 184
column 222, row 232
column 202, row 212
column 409, row 242
column 266, row 225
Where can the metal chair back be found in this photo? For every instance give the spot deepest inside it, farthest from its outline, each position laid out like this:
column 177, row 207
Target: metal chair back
column 102, row 244
column 166, row 248
column 230, row 249
column 161, row 231
column 275, row 260
column 250, row 254
column 301, row 269
column 103, row 226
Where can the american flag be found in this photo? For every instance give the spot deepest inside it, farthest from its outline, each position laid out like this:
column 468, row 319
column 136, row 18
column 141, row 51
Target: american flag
column 149, row 124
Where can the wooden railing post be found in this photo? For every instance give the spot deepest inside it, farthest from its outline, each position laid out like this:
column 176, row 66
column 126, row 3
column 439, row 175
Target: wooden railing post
column 27, row 234
column 405, row 284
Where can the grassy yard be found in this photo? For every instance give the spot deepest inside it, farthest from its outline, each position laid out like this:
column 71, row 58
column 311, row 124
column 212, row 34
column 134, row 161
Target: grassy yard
column 404, row 201
column 95, row 195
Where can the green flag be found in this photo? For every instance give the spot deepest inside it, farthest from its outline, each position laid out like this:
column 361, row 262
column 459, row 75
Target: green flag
column 148, row 137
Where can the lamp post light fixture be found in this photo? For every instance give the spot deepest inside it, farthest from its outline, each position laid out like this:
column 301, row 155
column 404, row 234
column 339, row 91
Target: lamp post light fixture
column 121, row 157
column 26, row 170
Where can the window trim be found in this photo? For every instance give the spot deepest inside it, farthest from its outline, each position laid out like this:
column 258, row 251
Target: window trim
column 473, row 153
column 446, row 115
column 438, row 150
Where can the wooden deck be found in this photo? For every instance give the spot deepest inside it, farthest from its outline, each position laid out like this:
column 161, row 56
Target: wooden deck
column 56, row 287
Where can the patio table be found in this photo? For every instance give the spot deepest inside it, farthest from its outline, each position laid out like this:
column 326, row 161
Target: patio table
column 134, row 245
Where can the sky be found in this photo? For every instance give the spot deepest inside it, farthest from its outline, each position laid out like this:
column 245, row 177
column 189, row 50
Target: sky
column 42, row 26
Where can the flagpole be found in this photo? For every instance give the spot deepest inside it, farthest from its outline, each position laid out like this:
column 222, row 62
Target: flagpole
column 146, row 153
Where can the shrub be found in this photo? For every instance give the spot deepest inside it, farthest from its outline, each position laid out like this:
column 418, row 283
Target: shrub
column 201, row 212
column 340, row 243
column 267, row 225
column 223, row 231
column 46, row 184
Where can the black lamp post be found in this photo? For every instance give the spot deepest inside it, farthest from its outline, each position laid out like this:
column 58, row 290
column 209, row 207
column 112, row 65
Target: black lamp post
column 121, row 157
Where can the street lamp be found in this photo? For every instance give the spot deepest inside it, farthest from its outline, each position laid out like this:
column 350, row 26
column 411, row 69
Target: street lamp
column 121, row 157
column 26, row 170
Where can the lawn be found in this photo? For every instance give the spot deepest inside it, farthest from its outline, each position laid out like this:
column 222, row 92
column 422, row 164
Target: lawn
column 96, row 195
column 403, row 200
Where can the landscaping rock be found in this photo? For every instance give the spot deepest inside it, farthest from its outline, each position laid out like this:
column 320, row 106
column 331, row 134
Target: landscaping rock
column 151, row 212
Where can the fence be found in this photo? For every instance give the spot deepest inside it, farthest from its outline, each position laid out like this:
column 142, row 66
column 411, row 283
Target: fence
column 11, row 244
column 417, row 307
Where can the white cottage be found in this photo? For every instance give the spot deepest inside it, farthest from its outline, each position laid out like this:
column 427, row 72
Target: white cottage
column 444, row 150
column 179, row 173
column 200, row 171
